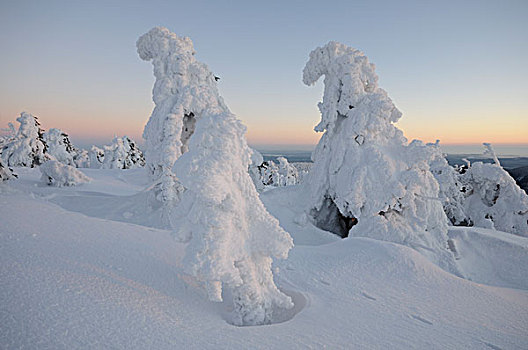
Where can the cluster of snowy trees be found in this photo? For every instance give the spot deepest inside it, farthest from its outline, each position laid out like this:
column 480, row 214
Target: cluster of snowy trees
column 31, row 146
column 480, row 194
column 271, row 174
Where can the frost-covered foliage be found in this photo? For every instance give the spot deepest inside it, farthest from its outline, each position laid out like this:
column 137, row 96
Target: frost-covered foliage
column 96, row 156
column 366, row 180
column 59, row 146
column 232, row 236
column 82, row 159
column 270, row 174
column 57, row 174
column 27, row 147
column 184, row 90
column 254, row 169
column 5, row 172
column 493, row 199
column 288, row 174
column 450, row 186
column 121, row 154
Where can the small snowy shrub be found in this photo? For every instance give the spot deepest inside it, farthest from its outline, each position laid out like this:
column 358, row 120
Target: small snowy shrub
column 254, row 169
column 27, row 148
column 366, row 180
column 184, row 90
column 232, row 236
column 55, row 173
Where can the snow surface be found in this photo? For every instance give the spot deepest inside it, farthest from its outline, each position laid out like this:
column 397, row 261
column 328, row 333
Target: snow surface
column 70, row 280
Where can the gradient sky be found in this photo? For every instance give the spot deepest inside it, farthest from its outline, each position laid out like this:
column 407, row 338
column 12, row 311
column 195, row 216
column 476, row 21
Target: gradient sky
column 458, row 70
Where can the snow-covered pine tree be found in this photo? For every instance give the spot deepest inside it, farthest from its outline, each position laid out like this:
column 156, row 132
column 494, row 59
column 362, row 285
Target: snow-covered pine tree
column 5, row 172
column 288, row 174
column 450, row 186
column 366, row 180
column 96, row 156
column 232, row 236
column 183, row 91
column 122, row 154
column 27, row 148
column 82, row 159
column 60, row 147
column 492, row 197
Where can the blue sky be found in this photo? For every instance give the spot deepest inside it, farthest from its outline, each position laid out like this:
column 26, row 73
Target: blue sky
column 457, row 70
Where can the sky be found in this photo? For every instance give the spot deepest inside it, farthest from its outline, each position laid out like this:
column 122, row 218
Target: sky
column 456, row 69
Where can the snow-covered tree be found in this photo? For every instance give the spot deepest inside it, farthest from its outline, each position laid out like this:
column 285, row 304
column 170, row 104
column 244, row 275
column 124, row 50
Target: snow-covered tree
column 122, row 154
column 254, row 169
column 288, row 174
column 55, row 173
column 60, row 147
column 232, row 236
column 96, row 156
column 82, row 159
column 5, row 172
column 183, row 91
column 450, row 186
column 366, row 180
column 27, row 148
column 493, row 199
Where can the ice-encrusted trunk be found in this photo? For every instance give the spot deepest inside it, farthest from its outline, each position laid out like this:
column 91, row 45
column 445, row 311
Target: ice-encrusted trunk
column 366, row 180
column 184, row 90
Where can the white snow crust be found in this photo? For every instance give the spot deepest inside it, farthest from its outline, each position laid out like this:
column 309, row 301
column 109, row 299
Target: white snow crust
column 75, row 281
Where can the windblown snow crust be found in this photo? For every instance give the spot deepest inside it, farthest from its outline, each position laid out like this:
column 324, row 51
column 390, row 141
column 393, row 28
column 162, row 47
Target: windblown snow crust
column 366, row 180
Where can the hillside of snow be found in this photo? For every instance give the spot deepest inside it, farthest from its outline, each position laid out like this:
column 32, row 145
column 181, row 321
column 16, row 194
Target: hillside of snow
column 85, row 267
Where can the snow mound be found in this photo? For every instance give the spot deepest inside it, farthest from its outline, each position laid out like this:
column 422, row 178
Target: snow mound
column 55, row 173
column 366, row 180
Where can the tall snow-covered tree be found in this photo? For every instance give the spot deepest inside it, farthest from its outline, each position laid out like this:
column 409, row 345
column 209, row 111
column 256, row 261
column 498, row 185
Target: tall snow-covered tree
column 232, row 236
column 366, row 180
column 183, row 91
column 60, row 147
column 27, row 148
